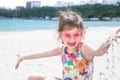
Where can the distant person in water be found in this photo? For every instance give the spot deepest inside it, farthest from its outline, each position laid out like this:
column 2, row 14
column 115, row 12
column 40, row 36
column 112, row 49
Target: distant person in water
column 77, row 55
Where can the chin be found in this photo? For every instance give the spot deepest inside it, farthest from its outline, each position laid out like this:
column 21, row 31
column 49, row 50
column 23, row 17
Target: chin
column 72, row 47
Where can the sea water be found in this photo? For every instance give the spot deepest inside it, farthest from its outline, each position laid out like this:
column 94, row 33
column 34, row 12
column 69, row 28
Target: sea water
column 31, row 24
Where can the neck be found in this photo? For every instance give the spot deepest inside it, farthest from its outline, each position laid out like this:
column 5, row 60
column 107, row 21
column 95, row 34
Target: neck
column 71, row 50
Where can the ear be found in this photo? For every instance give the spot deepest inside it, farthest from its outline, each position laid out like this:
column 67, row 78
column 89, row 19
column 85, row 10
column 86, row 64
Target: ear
column 62, row 42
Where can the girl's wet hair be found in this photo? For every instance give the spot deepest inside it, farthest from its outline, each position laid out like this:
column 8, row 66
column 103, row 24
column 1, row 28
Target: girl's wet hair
column 70, row 19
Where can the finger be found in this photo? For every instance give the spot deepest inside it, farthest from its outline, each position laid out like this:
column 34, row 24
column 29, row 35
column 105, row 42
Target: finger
column 117, row 31
column 16, row 67
column 17, row 64
column 117, row 36
column 18, row 55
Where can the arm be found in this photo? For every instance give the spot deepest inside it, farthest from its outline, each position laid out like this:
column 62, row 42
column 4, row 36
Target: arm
column 53, row 52
column 103, row 48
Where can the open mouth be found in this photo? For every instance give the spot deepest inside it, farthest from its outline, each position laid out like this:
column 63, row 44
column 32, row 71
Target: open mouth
column 71, row 44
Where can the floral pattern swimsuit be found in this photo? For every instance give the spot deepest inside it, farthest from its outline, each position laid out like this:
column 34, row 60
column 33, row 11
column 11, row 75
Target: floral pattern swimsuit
column 75, row 66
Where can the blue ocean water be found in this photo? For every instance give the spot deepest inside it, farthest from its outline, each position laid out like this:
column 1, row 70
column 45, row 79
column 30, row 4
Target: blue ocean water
column 30, row 24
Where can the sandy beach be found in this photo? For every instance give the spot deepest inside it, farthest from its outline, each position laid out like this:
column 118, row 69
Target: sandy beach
column 29, row 42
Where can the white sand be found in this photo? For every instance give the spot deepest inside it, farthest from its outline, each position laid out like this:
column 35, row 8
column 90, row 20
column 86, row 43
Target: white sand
column 28, row 42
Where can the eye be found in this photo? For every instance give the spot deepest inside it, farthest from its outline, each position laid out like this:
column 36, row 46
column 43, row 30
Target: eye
column 67, row 35
column 76, row 35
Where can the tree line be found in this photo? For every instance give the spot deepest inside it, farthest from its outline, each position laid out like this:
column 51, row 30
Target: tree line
column 87, row 11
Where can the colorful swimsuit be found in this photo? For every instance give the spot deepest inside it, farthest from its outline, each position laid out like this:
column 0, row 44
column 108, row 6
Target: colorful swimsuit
column 75, row 66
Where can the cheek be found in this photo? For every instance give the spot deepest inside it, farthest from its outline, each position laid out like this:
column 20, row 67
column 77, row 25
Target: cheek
column 78, row 40
column 63, row 39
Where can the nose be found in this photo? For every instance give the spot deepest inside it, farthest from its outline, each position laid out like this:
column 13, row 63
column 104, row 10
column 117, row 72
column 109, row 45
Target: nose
column 72, row 39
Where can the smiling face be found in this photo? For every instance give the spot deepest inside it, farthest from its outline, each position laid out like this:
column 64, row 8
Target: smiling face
column 70, row 29
column 71, row 38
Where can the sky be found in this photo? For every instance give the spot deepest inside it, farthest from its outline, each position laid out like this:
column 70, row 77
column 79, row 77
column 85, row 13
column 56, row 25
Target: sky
column 13, row 3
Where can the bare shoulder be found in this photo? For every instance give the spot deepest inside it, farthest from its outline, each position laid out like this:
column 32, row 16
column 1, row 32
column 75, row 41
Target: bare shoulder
column 88, row 50
column 87, row 46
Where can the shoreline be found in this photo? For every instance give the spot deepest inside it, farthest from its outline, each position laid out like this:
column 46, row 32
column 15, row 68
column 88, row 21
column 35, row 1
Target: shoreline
column 56, row 18
column 86, row 27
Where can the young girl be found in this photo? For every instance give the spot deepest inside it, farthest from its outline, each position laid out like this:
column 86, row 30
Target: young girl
column 77, row 56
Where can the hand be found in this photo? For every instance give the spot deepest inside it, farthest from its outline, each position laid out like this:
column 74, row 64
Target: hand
column 117, row 32
column 20, row 58
column 114, row 36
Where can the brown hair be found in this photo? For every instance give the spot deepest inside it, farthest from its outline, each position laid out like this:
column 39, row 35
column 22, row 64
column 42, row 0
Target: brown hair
column 68, row 20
